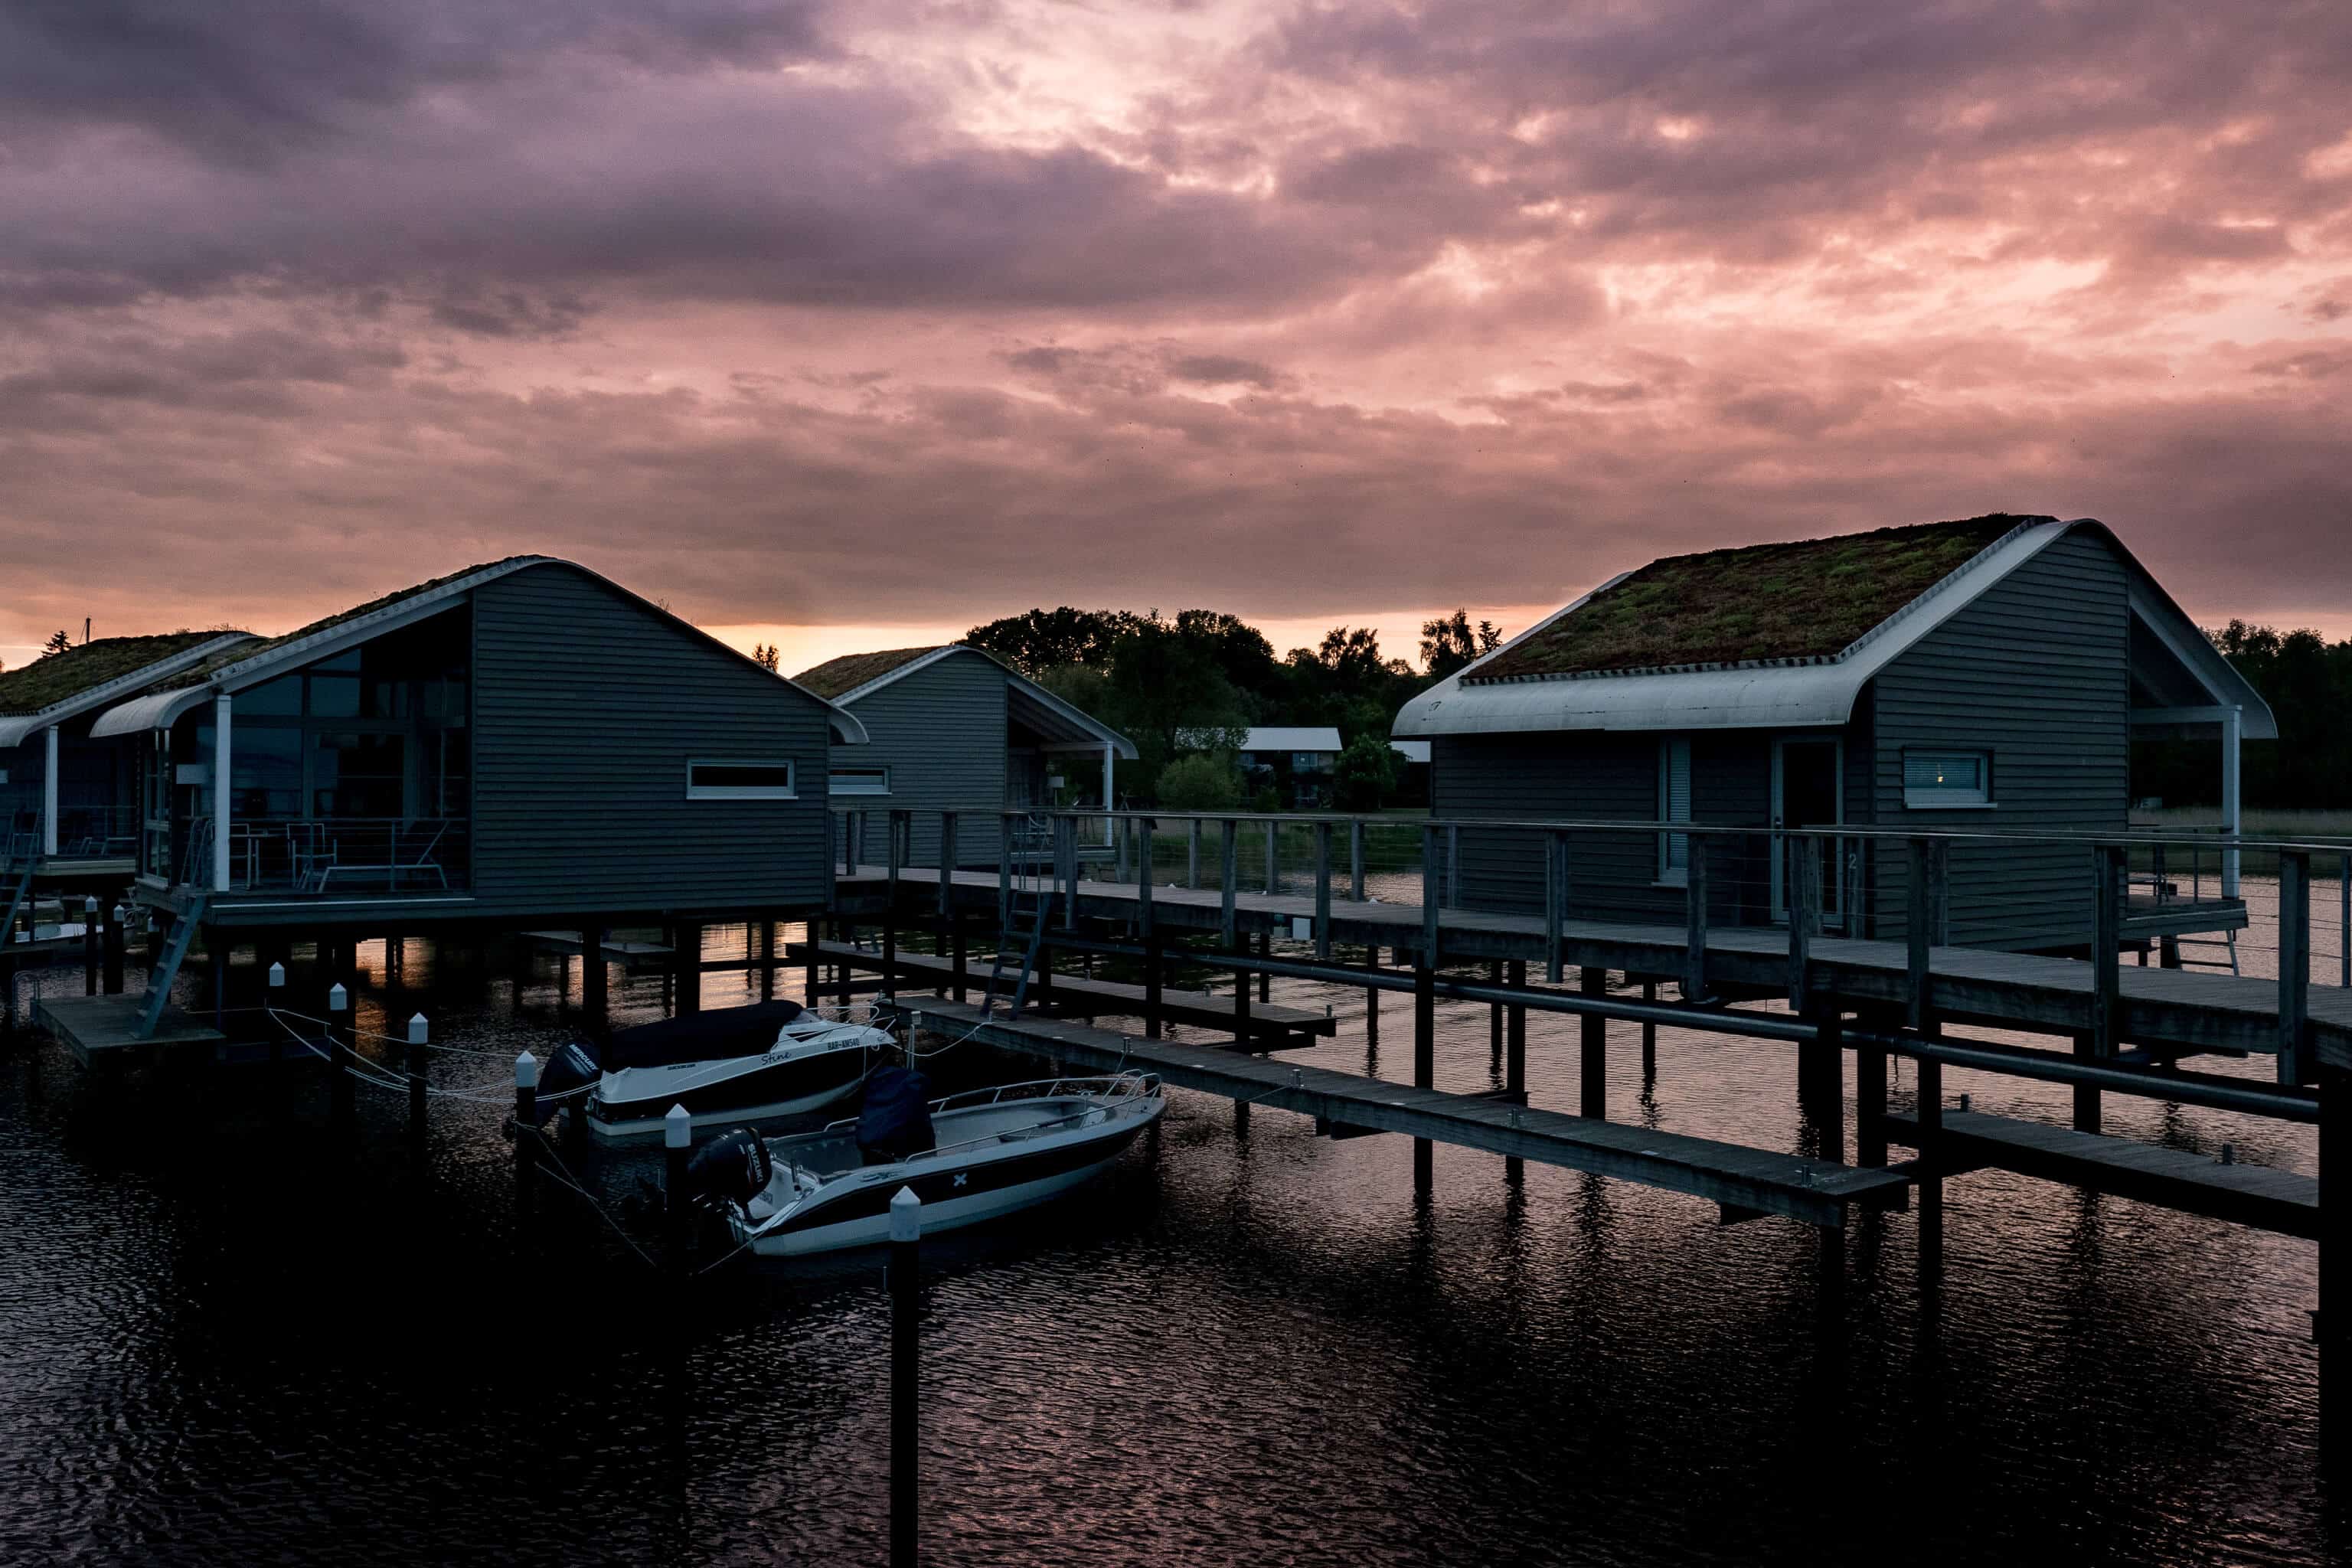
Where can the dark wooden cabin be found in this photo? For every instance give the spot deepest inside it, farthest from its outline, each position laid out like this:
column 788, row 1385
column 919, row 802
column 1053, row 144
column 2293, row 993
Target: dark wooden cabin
column 520, row 740
column 1984, row 673
column 953, row 728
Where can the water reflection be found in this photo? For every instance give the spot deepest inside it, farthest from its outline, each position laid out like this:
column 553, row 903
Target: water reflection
column 235, row 1335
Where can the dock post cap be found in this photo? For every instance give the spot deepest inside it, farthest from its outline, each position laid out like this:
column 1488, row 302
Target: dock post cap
column 120, row 914
column 277, row 975
column 525, row 1071
column 416, row 1027
column 906, row 1216
column 677, row 1128
column 338, row 999
column 89, row 903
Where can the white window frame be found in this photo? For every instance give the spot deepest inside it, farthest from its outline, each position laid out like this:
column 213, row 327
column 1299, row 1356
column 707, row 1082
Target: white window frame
column 1669, row 874
column 788, row 791
column 833, row 779
column 1931, row 798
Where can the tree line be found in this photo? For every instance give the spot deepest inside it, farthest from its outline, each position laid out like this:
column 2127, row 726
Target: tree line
column 2307, row 681
column 1185, row 687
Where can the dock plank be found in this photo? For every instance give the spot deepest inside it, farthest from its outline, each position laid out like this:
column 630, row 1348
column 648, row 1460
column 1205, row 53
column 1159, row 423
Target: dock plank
column 1767, row 1180
column 2169, row 1178
column 1079, row 996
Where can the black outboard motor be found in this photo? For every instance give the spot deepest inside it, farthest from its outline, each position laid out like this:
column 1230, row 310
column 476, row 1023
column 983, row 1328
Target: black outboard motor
column 895, row 1120
column 732, row 1168
column 570, row 1068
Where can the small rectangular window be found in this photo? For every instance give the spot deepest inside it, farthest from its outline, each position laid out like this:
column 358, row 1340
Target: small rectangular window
column 1674, row 805
column 1932, row 779
column 861, row 781
column 736, row 778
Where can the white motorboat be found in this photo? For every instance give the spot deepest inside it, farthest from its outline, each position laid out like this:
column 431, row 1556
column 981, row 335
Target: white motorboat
column 983, row 1154
column 762, row 1062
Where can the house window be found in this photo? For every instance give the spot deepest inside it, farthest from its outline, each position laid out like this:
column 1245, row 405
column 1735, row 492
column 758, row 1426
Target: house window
column 861, row 781
column 738, row 778
column 1932, row 779
column 1674, row 805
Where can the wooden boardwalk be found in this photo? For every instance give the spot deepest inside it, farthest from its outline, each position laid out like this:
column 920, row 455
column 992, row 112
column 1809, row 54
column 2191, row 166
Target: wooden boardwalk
column 1271, row 1026
column 1744, row 1181
column 2177, row 1011
column 2170, row 1178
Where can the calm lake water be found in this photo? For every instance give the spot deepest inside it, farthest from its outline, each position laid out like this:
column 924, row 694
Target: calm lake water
column 229, row 1337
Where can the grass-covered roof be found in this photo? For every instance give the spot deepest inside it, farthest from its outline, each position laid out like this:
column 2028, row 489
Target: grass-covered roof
column 243, row 651
column 852, row 670
column 1808, row 599
column 61, row 676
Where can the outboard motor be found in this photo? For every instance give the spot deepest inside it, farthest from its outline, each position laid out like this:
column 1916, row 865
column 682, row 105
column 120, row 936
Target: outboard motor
column 732, row 1168
column 570, row 1068
column 895, row 1120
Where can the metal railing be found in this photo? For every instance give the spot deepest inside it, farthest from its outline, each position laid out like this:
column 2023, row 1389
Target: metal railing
column 332, row 855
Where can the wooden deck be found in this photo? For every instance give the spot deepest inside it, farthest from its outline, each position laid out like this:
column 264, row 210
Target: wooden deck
column 1744, row 1181
column 630, row 955
column 2170, row 1178
column 95, row 1027
column 2179, row 1011
column 1076, row 996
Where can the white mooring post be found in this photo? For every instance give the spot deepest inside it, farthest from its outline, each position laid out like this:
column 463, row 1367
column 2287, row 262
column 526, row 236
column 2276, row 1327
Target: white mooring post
column 342, row 1090
column 417, row 1041
column 678, row 1152
column 906, row 1350
column 526, row 1113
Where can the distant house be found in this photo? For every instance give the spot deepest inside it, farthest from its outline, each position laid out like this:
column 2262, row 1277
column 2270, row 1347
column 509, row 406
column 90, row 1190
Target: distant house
column 1982, row 674
column 1298, row 762
column 66, row 799
column 951, row 728
column 519, row 740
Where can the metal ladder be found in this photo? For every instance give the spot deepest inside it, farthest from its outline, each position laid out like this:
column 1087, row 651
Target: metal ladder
column 2227, row 941
column 167, row 969
column 1042, row 908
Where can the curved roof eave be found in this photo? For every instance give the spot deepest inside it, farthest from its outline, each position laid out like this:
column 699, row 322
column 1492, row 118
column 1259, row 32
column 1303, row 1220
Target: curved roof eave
column 16, row 727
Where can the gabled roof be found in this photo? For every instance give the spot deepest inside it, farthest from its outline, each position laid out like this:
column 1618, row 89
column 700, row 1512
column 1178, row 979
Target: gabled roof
column 59, row 687
column 854, row 677
column 838, row 677
column 234, row 669
column 1762, row 604
column 1547, row 678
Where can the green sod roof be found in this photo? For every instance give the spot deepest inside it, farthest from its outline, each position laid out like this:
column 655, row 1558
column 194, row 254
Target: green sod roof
column 61, row 676
column 1804, row 601
column 852, row 670
column 243, row 651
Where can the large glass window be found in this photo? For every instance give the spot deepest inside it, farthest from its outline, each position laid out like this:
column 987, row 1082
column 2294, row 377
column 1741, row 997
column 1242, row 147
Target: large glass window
column 358, row 774
column 265, row 770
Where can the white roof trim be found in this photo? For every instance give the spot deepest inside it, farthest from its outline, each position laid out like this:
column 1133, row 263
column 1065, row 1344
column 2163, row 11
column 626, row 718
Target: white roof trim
column 1726, row 697
column 2171, row 625
column 1103, row 733
column 16, row 727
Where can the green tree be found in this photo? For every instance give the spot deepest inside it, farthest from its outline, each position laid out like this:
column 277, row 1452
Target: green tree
column 1204, row 781
column 1450, row 643
column 1365, row 773
column 59, row 642
column 1040, row 640
column 765, row 657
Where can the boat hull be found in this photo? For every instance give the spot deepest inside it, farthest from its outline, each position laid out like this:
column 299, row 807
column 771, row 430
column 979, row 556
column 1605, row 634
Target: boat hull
column 632, row 1103
column 953, row 1198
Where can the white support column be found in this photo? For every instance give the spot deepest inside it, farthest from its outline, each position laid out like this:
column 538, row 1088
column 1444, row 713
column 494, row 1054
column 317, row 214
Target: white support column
column 220, row 792
column 1109, row 782
column 49, row 795
column 2233, row 817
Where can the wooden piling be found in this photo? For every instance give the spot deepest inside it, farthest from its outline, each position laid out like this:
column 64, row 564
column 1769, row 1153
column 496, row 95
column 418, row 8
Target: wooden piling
column 1593, row 1037
column 1494, row 1012
column 1695, row 916
column 677, row 1156
column 1515, row 1039
column 1649, row 1037
column 1555, row 901
column 417, row 1086
column 2294, row 1063
column 687, row 965
column 90, row 941
column 340, row 1088
column 113, row 955
column 1323, row 892
column 596, row 991
column 1356, row 863
column 1229, row 871
column 1424, row 1057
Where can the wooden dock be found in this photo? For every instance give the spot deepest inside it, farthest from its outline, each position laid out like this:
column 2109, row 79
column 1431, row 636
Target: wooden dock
column 2169, row 1178
column 2178, row 1012
column 95, row 1027
column 630, row 955
column 1271, row 1027
column 1743, row 1181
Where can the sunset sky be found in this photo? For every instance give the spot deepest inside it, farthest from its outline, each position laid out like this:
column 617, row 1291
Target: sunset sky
column 852, row 325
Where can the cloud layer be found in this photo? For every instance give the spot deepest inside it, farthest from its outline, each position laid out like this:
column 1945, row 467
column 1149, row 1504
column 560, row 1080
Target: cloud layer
column 927, row 312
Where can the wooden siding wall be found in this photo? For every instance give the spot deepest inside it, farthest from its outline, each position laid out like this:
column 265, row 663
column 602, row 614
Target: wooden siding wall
column 2037, row 672
column 1601, row 775
column 587, row 707
column 941, row 733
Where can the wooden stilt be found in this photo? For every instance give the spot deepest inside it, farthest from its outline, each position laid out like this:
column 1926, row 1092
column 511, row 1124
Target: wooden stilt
column 1593, row 1031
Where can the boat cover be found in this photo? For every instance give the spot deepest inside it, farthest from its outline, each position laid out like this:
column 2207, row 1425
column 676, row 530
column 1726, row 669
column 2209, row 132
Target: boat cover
column 895, row 1120
column 701, row 1036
